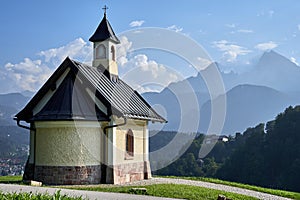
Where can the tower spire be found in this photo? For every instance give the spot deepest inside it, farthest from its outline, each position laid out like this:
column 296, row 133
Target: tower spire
column 105, row 8
column 105, row 42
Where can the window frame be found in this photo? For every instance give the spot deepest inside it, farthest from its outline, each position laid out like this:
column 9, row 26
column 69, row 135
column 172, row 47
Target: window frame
column 129, row 145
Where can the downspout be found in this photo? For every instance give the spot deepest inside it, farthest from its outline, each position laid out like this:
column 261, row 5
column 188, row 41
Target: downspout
column 34, row 140
column 104, row 168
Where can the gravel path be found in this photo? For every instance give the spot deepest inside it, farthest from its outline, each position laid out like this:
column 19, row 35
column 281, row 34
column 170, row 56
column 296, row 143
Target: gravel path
column 116, row 196
column 226, row 188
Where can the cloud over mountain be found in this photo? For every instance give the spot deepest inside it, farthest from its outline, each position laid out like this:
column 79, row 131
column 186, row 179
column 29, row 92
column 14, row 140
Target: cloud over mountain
column 30, row 74
column 266, row 46
column 230, row 51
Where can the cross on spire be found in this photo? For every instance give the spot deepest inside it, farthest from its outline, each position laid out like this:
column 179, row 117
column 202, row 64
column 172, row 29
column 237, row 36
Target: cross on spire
column 105, row 8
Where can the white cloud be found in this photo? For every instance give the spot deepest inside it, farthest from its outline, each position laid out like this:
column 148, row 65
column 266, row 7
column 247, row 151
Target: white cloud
column 245, row 31
column 294, row 60
column 266, row 46
column 144, row 89
column 31, row 74
column 203, row 63
column 122, row 49
column 137, row 70
column 268, row 13
column 175, row 28
column 146, row 75
column 230, row 25
column 136, row 23
column 77, row 49
column 27, row 75
column 231, row 51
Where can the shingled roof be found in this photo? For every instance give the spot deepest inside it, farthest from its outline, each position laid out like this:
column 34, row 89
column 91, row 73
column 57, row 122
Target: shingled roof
column 104, row 32
column 71, row 100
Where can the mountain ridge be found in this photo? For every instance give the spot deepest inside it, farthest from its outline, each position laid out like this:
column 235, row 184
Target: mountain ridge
column 273, row 73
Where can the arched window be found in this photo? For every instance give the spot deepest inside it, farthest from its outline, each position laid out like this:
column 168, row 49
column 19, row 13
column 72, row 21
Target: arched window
column 129, row 143
column 113, row 53
column 100, row 52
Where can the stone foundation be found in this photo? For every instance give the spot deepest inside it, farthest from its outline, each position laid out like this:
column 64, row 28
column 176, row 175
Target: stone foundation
column 82, row 175
column 131, row 172
column 68, row 175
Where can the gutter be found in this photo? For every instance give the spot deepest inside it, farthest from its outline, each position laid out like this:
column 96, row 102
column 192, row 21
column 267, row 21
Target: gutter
column 116, row 125
column 23, row 126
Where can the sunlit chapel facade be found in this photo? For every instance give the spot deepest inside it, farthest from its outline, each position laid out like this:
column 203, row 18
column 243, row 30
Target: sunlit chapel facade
column 87, row 126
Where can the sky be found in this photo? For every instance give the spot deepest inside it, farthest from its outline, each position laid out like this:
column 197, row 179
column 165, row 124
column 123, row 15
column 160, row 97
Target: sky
column 36, row 36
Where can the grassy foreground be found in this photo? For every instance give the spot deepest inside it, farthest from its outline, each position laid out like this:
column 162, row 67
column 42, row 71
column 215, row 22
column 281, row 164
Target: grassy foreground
column 171, row 191
column 161, row 190
column 282, row 193
column 11, row 179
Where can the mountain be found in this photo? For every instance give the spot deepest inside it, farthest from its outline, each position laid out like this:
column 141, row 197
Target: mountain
column 178, row 106
column 27, row 93
column 11, row 139
column 14, row 140
column 275, row 71
column 248, row 105
column 6, row 115
column 10, row 104
column 15, row 100
column 253, row 96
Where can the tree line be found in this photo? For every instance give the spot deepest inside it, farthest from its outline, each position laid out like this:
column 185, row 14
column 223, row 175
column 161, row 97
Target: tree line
column 267, row 155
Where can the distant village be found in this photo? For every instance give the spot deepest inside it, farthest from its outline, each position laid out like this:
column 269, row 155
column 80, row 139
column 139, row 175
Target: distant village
column 13, row 164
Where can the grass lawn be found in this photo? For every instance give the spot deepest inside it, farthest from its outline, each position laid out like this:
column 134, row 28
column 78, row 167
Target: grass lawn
column 171, row 191
column 11, row 179
column 288, row 194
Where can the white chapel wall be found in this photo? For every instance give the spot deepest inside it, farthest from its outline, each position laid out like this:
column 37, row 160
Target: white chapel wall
column 138, row 128
column 68, row 144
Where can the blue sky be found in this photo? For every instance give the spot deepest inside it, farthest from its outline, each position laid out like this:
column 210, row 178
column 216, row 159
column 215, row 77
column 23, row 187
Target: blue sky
column 232, row 32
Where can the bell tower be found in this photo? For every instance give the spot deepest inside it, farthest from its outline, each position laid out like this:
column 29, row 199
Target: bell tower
column 104, row 49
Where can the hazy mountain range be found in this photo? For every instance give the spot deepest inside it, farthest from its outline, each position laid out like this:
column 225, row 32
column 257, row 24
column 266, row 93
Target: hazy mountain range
column 255, row 96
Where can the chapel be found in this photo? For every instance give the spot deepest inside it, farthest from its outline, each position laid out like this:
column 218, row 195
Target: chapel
column 87, row 126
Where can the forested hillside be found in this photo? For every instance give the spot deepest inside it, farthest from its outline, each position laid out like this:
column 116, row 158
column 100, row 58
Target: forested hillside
column 266, row 155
